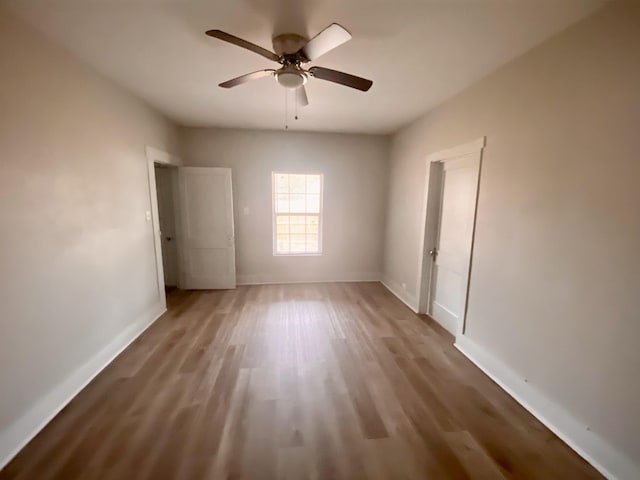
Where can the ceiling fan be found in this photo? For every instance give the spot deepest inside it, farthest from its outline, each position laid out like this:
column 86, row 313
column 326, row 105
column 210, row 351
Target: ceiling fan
column 292, row 53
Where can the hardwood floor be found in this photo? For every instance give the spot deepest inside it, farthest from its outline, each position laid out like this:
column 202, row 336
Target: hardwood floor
column 293, row 382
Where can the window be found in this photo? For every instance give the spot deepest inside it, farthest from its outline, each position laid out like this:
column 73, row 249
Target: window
column 297, row 214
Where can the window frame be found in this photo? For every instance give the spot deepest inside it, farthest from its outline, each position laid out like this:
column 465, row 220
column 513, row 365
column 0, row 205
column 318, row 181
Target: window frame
column 274, row 215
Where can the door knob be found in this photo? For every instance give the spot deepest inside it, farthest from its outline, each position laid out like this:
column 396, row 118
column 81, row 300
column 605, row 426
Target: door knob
column 433, row 252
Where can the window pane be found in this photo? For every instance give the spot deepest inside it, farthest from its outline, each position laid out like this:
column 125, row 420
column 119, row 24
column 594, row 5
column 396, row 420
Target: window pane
column 313, row 203
column 312, row 245
column 297, row 184
column 298, row 243
column 313, row 184
column 298, row 229
column 282, row 204
column 298, row 203
column 282, row 183
column 283, row 246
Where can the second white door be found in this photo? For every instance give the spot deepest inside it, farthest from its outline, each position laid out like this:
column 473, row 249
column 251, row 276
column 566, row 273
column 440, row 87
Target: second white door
column 208, row 244
column 450, row 272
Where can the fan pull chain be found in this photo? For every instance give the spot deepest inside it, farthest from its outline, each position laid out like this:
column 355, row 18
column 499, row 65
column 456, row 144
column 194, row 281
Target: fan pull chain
column 286, row 110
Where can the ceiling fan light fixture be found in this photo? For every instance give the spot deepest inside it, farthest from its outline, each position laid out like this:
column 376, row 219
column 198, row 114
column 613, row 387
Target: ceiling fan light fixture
column 291, row 78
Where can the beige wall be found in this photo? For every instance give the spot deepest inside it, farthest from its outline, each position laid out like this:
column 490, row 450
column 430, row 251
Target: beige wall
column 556, row 273
column 76, row 256
column 355, row 170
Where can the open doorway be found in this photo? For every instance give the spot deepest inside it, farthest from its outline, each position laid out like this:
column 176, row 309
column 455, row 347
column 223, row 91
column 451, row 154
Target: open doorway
column 453, row 177
column 162, row 170
column 167, row 195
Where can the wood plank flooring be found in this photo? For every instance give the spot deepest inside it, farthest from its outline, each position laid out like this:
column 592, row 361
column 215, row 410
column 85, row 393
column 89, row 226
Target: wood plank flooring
column 294, row 382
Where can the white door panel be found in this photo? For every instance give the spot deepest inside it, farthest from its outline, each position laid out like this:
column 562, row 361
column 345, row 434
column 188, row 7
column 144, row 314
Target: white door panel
column 450, row 271
column 203, row 261
column 207, row 224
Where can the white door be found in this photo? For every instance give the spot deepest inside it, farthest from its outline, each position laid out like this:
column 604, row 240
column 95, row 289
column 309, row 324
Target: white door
column 166, row 217
column 208, row 244
column 452, row 256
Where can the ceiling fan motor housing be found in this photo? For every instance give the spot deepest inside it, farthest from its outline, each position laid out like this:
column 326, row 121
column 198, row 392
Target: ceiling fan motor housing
column 288, row 43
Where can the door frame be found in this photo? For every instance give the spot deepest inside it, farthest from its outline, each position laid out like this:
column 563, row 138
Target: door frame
column 431, row 218
column 156, row 156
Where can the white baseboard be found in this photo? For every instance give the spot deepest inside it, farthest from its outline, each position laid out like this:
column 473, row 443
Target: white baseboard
column 588, row 444
column 405, row 297
column 17, row 435
column 277, row 279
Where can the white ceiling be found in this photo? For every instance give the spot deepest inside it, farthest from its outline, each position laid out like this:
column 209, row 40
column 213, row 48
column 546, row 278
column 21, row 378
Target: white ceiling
column 417, row 52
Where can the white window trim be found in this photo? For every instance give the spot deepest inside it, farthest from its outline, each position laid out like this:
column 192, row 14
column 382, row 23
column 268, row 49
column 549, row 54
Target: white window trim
column 274, row 240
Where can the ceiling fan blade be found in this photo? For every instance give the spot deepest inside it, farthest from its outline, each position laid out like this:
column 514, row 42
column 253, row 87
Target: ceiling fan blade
column 234, row 82
column 342, row 78
column 331, row 37
column 227, row 37
column 301, row 96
